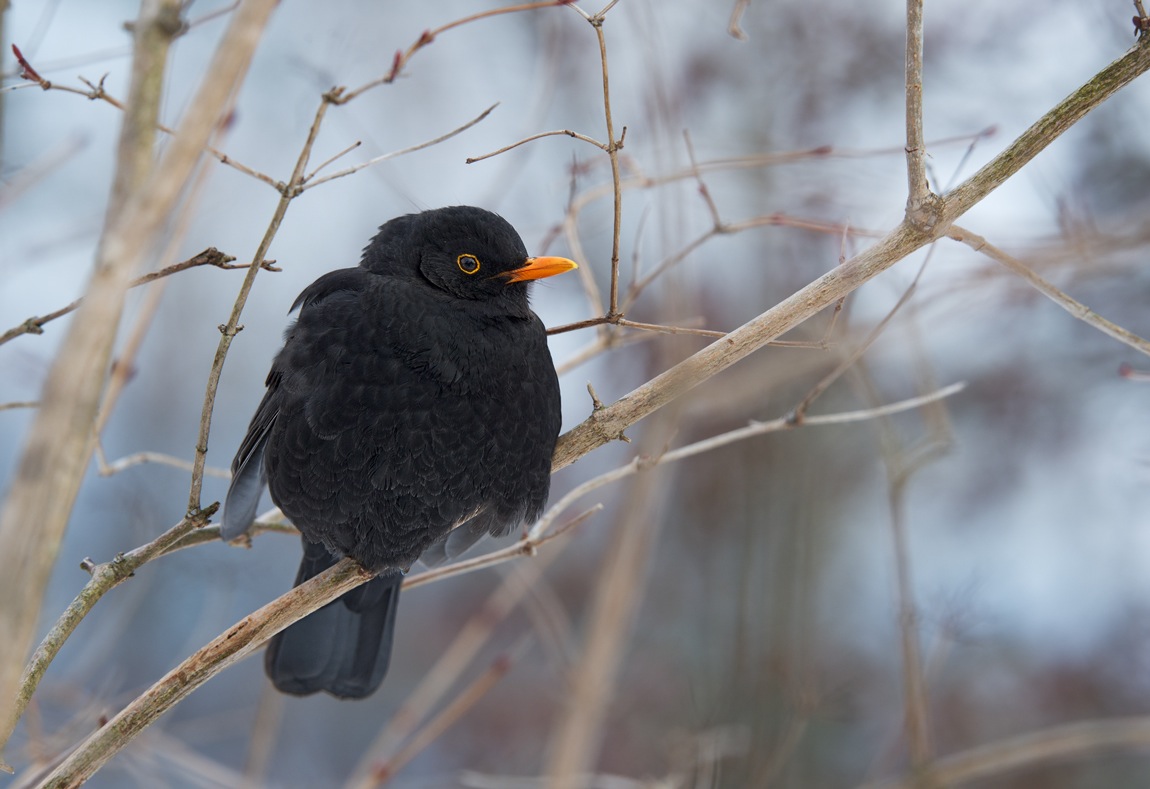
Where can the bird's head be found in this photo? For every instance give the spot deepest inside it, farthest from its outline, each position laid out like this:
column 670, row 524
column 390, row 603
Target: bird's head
column 467, row 252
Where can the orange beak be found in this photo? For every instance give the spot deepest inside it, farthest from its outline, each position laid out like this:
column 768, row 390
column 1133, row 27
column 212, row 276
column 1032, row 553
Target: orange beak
column 538, row 268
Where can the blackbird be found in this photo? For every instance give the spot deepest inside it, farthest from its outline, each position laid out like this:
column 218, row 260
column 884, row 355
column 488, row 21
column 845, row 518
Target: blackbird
column 413, row 409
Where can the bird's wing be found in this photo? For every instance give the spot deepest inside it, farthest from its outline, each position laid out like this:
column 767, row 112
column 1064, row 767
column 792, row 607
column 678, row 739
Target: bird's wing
column 249, row 475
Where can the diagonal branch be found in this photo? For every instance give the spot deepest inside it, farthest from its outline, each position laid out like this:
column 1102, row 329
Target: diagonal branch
column 209, row 257
column 1047, row 289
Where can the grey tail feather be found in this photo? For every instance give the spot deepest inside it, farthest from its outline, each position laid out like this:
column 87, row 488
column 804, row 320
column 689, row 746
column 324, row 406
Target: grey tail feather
column 345, row 647
column 244, row 493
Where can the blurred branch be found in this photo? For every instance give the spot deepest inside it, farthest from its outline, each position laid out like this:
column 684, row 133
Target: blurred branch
column 1075, row 308
column 1128, row 372
column 124, row 365
column 139, row 458
column 574, row 744
column 1055, row 745
column 448, row 668
column 34, row 171
column 448, row 716
column 264, row 735
column 915, row 714
column 734, row 26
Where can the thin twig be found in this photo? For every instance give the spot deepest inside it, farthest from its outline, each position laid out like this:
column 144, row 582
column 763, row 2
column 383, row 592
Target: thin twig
column 539, row 136
column 394, row 154
column 331, row 159
column 856, row 353
column 448, row 716
column 229, row 330
column 96, row 92
column 209, row 257
column 662, row 329
column 734, row 26
column 402, row 57
column 1076, row 308
column 139, row 458
column 918, row 193
column 613, row 147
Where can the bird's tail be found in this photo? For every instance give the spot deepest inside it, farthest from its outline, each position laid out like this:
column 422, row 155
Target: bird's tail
column 344, row 647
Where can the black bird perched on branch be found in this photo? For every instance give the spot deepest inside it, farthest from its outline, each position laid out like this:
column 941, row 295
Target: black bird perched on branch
column 413, row 408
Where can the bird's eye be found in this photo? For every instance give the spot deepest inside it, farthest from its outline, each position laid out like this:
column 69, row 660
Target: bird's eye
column 468, row 264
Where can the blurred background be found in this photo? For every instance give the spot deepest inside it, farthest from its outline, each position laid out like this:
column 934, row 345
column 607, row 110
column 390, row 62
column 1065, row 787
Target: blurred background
column 765, row 646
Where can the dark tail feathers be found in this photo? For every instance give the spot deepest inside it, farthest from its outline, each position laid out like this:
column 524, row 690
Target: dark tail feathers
column 343, row 648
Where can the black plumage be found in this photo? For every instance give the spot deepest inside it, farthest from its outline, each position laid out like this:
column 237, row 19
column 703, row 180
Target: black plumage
column 413, row 409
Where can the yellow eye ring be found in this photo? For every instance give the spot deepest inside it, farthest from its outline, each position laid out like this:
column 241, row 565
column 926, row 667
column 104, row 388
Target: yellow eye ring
column 468, row 264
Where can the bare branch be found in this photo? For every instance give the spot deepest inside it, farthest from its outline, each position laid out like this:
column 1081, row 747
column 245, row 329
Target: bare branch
column 139, row 458
column 394, row 154
column 1075, row 308
column 918, row 193
column 449, row 715
column 402, row 57
column 734, row 28
column 539, row 136
column 229, row 330
column 209, row 257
